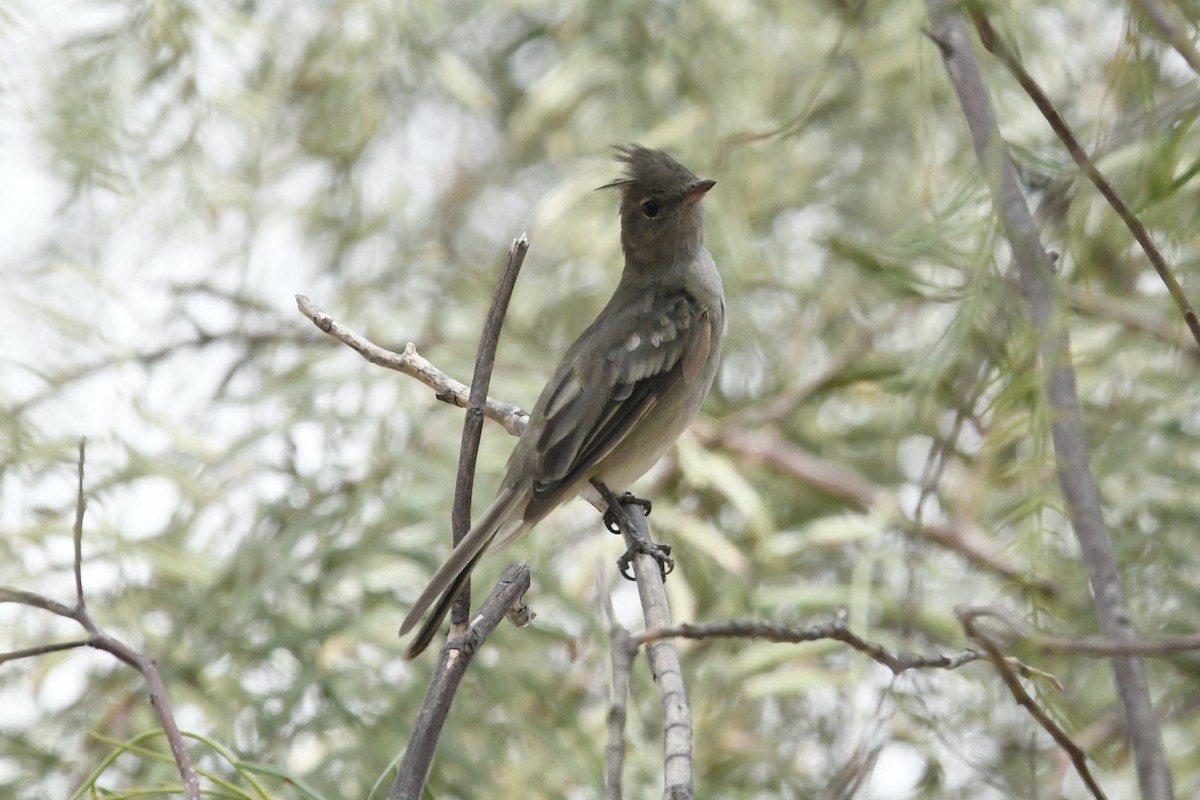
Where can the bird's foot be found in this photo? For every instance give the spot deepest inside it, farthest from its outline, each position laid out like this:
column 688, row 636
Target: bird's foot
column 641, row 546
column 637, row 537
column 627, row 499
column 639, row 542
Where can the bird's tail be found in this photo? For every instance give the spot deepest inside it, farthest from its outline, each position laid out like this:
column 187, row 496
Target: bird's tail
column 454, row 573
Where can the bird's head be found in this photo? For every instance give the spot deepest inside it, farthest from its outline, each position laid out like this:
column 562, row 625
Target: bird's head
column 661, row 217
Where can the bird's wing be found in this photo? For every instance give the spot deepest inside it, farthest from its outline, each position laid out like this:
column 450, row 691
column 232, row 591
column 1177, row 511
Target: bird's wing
column 650, row 345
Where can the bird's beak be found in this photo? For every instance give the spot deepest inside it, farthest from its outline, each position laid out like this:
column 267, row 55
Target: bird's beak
column 696, row 191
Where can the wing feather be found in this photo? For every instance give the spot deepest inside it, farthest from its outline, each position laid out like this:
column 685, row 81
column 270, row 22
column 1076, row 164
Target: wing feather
column 655, row 343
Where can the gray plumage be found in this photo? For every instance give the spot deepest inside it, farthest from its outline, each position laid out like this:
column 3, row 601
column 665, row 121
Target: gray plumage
column 626, row 389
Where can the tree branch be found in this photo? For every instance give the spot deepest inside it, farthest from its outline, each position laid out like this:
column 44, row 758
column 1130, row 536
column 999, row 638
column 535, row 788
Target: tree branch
column 31, row 652
column 465, row 638
column 1037, row 280
column 99, row 640
column 996, row 45
column 1000, row 662
column 485, row 360
column 512, row 418
column 453, row 661
column 678, row 781
column 835, row 629
column 623, row 648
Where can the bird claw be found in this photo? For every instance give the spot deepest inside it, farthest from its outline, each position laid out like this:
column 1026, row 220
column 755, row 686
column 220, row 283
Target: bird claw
column 659, row 552
column 638, row 538
column 641, row 546
column 627, row 499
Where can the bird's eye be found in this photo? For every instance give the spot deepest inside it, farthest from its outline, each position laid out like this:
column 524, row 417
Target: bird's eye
column 651, row 208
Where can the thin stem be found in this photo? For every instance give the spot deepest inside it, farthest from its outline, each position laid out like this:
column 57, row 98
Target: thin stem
column 663, row 658
column 411, row 363
column 1000, row 662
column 99, row 640
column 77, row 529
column 622, row 648
column 835, row 629
column 997, row 46
column 485, row 360
column 452, row 665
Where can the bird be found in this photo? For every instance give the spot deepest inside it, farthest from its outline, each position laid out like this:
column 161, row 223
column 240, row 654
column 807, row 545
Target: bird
column 625, row 390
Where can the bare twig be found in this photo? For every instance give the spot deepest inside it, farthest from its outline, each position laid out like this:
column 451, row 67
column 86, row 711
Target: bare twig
column 623, row 648
column 998, row 47
column 411, row 363
column 418, row 756
column 1037, row 279
column 77, row 528
column 31, row 652
column 485, row 359
column 678, row 781
column 1019, row 693
column 835, row 629
column 452, row 664
column 99, row 640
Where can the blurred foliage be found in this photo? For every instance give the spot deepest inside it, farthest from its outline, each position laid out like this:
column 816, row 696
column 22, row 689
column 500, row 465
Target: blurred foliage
column 264, row 503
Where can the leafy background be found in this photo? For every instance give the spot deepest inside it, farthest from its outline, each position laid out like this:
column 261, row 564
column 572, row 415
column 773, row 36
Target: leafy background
column 263, row 503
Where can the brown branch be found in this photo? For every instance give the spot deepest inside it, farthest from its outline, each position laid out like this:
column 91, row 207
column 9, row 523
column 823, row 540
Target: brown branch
column 10, row 595
column 998, row 47
column 512, row 418
column 485, row 360
column 99, row 640
column 839, row 481
column 431, row 718
column 31, row 652
column 1042, row 296
column 453, row 661
column 835, row 629
column 1000, row 662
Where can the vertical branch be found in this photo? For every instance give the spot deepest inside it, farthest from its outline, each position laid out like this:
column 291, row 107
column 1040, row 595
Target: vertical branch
column 485, row 359
column 623, row 648
column 464, row 639
column 663, row 658
column 77, row 529
column 453, row 661
column 1041, row 292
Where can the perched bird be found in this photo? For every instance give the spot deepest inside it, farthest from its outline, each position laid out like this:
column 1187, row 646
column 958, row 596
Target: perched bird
column 629, row 385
